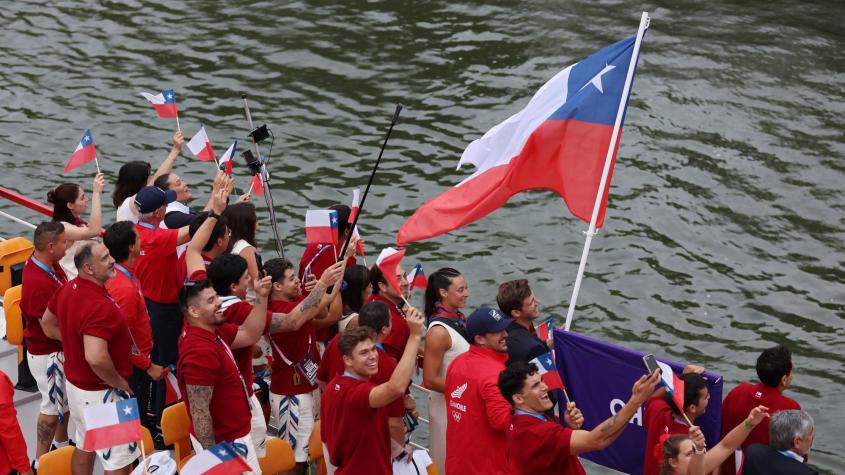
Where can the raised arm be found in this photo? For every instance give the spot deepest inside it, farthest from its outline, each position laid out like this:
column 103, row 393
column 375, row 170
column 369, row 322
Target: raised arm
column 97, row 357
column 733, row 439
column 310, row 307
column 332, row 304
column 606, row 432
column 167, row 164
column 250, row 331
column 199, row 400
column 95, row 221
column 193, row 254
column 394, row 388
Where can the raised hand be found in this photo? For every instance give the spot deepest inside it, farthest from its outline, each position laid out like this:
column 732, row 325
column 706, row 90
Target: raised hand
column 178, row 141
column 756, row 415
column 697, row 438
column 573, row 416
column 332, row 274
column 644, row 387
column 262, row 286
column 415, row 319
column 218, row 201
column 99, row 183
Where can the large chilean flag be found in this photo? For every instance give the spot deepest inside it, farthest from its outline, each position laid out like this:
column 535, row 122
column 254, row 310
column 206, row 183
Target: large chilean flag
column 558, row 142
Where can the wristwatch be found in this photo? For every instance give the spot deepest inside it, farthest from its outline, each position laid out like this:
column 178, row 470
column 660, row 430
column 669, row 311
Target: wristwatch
column 212, row 214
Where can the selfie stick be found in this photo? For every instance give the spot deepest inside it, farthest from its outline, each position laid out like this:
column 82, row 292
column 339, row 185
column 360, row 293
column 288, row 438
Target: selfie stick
column 265, row 178
column 372, row 175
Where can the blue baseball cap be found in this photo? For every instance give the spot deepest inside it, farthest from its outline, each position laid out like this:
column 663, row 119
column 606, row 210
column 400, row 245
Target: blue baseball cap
column 151, row 198
column 486, row 320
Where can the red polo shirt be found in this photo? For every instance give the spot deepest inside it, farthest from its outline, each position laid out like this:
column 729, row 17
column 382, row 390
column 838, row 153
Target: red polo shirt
column 127, row 294
column 156, row 267
column 85, row 308
column 12, row 444
column 658, row 419
column 739, row 403
column 478, row 415
column 206, row 360
column 294, row 345
column 236, row 314
column 540, row 447
column 38, row 287
column 356, row 435
column 395, row 343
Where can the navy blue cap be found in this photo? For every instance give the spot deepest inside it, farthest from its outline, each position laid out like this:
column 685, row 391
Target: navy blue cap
column 151, row 198
column 486, row 320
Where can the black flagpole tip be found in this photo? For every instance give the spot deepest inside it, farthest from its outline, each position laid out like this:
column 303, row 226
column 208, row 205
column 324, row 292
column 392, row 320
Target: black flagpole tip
column 243, row 95
column 396, row 113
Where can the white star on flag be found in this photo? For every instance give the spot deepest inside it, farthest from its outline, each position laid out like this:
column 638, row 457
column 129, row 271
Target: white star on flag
column 596, row 81
column 222, row 453
column 127, row 410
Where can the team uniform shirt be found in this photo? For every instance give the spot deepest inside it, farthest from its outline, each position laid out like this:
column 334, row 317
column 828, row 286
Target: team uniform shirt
column 523, row 344
column 356, row 435
column 126, row 291
column 537, row 446
column 12, row 444
column 236, row 314
column 331, row 365
column 295, row 346
column 739, row 403
column 156, row 267
column 197, row 275
column 205, row 359
column 85, row 308
column 323, row 261
column 477, row 413
column 37, row 289
column 394, row 343
column 659, row 419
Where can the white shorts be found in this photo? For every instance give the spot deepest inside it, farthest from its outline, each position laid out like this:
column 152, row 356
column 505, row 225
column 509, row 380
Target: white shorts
column 294, row 416
column 78, row 399
column 241, row 444
column 258, row 427
column 50, row 378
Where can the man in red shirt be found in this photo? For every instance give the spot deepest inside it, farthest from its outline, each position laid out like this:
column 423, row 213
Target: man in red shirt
column 215, row 391
column 42, row 277
column 354, row 421
column 774, row 370
column 662, row 416
column 13, row 457
column 394, row 344
column 538, row 446
column 95, row 338
column 124, row 246
column 478, row 415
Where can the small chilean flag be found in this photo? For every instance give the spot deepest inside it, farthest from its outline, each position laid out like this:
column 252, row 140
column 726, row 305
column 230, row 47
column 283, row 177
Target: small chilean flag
column 545, row 329
column 84, row 152
column 673, row 384
column 548, row 371
column 387, row 262
column 200, row 146
column 228, row 158
column 321, row 226
column 164, row 103
column 172, row 393
column 416, row 279
column 112, row 424
column 256, row 187
column 220, row 459
column 356, row 203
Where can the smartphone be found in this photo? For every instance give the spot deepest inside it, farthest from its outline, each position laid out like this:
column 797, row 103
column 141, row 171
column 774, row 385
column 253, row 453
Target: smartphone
column 260, row 265
column 650, row 363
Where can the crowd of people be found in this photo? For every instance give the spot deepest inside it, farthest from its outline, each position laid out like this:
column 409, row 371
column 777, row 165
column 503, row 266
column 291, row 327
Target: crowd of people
column 270, row 347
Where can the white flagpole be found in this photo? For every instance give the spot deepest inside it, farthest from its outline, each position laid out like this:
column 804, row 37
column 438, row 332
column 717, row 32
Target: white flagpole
column 644, row 22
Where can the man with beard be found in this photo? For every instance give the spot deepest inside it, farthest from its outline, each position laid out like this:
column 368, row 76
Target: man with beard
column 477, row 414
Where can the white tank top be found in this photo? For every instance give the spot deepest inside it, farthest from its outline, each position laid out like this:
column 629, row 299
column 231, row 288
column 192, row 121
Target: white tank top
column 240, row 246
column 459, row 346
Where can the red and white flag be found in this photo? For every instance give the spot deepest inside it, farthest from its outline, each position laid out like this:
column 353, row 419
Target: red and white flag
column 387, row 262
column 256, row 187
column 111, row 424
column 673, row 384
column 220, row 459
column 416, row 279
column 356, row 203
column 172, row 393
column 545, row 329
column 84, row 152
column 228, row 158
column 321, row 226
column 163, row 102
column 548, row 371
column 200, row 146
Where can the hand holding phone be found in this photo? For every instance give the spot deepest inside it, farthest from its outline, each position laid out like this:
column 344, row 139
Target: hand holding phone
column 650, row 363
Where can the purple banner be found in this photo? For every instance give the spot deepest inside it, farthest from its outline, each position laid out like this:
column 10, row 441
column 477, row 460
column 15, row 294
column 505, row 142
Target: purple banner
column 598, row 378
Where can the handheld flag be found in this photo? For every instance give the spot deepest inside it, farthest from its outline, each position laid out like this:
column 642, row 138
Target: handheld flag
column 416, row 279
column 172, row 392
column 558, row 142
column 256, row 186
column 84, row 152
column 359, row 244
column 545, row 329
column 548, row 371
column 387, row 262
column 321, row 226
column 220, row 459
column 112, row 424
column 164, row 103
column 356, row 204
column 200, row 146
column 673, row 384
column 228, row 158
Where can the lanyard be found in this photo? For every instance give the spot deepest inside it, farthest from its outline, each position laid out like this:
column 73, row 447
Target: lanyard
column 379, row 346
column 47, row 270
column 232, row 358
column 520, row 412
column 792, row 455
column 353, row 376
column 126, row 272
column 146, row 225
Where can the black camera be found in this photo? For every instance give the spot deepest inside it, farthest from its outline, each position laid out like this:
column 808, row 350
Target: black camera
column 252, row 163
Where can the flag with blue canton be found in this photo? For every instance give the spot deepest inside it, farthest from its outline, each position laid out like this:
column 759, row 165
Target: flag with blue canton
column 84, row 152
